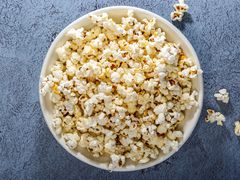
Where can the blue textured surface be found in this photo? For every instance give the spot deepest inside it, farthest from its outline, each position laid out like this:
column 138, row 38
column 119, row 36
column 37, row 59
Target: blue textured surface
column 29, row 151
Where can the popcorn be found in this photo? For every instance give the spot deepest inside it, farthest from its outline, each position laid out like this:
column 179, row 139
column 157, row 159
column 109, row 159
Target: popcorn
column 237, row 128
column 115, row 77
column 62, row 52
column 121, row 89
column 191, row 72
column 150, row 85
column 71, row 140
column 76, row 34
column 176, row 15
column 160, row 109
column 117, row 161
column 128, row 79
column 181, row 6
column 215, row 117
column 90, row 69
column 139, row 78
column 223, row 96
column 170, row 53
column 104, row 88
column 56, row 123
column 180, row 9
column 160, row 119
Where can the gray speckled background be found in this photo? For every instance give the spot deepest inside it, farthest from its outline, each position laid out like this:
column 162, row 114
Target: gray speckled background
column 29, row 151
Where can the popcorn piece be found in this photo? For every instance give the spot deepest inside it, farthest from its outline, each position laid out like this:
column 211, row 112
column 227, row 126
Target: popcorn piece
column 117, row 161
column 139, row 78
column 215, row 117
column 76, row 34
column 128, row 79
column 176, row 16
column 57, row 125
column 160, row 109
column 104, row 88
column 180, row 9
column 237, row 128
column 71, row 140
column 115, row 77
column 62, row 52
column 223, row 96
column 181, row 6
column 170, row 52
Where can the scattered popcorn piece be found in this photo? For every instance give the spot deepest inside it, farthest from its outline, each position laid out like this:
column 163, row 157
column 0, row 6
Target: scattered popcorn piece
column 181, row 6
column 121, row 89
column 177, row 15
column 237, row 128
column 179, row 10
column 222, row 95
column 215, row 117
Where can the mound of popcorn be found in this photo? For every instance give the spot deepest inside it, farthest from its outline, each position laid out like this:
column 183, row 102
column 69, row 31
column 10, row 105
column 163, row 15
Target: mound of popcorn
column 121, row 90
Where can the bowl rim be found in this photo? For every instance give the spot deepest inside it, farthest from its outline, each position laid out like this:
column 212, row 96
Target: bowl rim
column 178, row 33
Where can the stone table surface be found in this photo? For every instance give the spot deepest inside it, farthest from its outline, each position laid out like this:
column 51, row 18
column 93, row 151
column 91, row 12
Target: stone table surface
column 29, row 151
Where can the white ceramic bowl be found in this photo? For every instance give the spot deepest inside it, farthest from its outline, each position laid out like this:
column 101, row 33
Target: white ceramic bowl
column 173, row 34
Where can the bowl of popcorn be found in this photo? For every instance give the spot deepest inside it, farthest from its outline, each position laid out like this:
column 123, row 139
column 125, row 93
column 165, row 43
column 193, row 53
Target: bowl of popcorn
column 121, row 89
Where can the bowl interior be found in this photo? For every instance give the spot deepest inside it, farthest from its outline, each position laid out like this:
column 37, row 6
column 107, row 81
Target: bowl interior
column 172, row 35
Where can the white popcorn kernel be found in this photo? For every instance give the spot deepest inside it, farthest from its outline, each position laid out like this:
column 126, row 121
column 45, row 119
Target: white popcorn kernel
column 222, row 95
column 170, row 53
column 102, row 120
column 110, row 146
column 58, row 74
column 128, row 79
column 90, row 69
column 181, row 6
column 180, row 9
column 215, row 117
column 75, row 33
column 81, row 86
column 176, row 16
column 160, row 119
column 237, row 128
column 162, row 129
column 160, row 109
column 174, row 135
column 135, row 51
column 139, row 78
column 104, row 88
column 169, row 145
column 116, row 161
column 71, row 140
column 115, row 77
column 62, row 52
column 75, row 58
column 70, row 68
column 98, row 19
column 56, row 123
column 149, row 85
